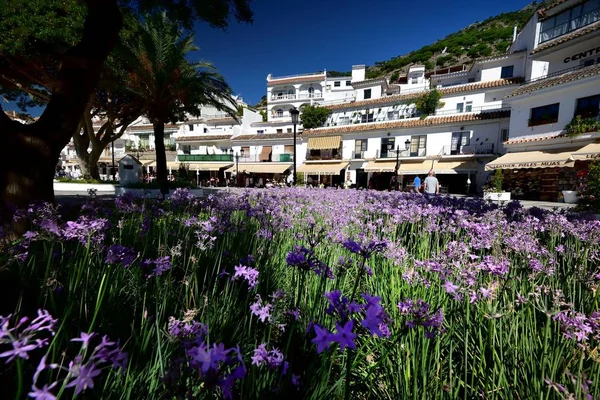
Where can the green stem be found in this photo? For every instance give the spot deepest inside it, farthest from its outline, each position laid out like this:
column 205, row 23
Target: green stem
column 19, row 379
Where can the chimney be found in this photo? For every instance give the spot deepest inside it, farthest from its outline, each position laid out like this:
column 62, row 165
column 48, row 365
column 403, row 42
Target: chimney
column 358, row 73
column 515, row 34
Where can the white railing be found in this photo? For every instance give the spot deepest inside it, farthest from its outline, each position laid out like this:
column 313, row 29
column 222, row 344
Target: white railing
column 315, row 95
column 283, row 97
column 315, row 74
column 281, row 115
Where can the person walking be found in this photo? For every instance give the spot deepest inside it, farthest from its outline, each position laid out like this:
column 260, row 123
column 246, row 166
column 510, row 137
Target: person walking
column 431, row 184
column 417, row 185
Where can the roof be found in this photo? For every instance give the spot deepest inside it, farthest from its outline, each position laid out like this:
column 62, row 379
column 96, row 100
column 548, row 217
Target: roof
column 205, row 138
column 498, row 57
column 542, row 11
column 369, row 82
column 222, row 120
column 414, row 123
column 296, row 79
column 150, row 127
column 567, row 37
column 267, row 136
column 535, row 139
column 572, row 76
column 411, row 96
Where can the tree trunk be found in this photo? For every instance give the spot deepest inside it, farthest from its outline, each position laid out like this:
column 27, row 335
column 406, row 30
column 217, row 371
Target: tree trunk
column 161, row 156
column 88, row 163
column 30, row 153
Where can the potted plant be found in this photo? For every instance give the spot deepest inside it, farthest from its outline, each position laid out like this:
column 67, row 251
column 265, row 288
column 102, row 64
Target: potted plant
column 495, row 191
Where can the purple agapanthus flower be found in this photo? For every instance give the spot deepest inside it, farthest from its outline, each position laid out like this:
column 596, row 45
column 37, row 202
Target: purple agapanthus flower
column 344, row 336
column 273, row 358
column 263, row 312
column 120, row 254
column 247, row 273
column 322, row 339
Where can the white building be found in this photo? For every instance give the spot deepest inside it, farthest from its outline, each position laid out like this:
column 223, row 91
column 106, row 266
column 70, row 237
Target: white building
column 562, row 71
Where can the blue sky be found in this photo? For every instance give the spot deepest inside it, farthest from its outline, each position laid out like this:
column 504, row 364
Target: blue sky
column 293, row 37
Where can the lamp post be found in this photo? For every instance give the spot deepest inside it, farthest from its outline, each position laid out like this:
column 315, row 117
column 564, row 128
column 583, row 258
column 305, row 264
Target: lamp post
column 294, row 113
column 113, row 160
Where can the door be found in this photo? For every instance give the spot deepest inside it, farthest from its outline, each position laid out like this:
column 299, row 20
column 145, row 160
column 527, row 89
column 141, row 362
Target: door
column 362, row 178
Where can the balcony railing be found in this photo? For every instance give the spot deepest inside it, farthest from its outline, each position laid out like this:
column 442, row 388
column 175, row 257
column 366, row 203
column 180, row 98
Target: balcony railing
column 376, row 118
column 324, row 157
column 283, row 157
column 315, row 95
column 401, row 153
column 290, row 96
column 281, row 115
column 498, row 107
column 205, row 157
column 484, row 148
column 558, row 73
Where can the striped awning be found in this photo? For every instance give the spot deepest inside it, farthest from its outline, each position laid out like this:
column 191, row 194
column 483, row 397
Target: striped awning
column 207, row 166
column 170, row 164
column 323, row 168
column 324, row 143
column 260, row 168
column 531, row 159
column 440, row 167
column 587, row 153
column 382, row 166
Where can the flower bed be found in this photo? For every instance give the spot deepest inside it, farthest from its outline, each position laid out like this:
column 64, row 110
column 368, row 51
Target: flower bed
column 302, row 293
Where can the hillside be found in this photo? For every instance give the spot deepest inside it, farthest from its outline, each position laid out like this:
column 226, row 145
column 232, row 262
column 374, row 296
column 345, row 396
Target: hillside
column 480, row 39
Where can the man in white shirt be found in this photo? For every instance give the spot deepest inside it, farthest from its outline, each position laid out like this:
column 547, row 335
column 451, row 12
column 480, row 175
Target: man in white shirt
column 431, row 184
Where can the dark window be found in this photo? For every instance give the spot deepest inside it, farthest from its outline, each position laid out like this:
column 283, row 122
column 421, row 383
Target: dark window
column 348, row 83
column 367, row 94
column 360, row 146
column 260, row 131
column 205, row 130
column 366, row 118
column 418, row 144
column 279, row 130
column 289, row 130
column 337, row 83
column 570, row 20
column 387, row 148
column 544, row 115
column 507, row 72
column 471, row 80
column 459, row 140
column 128, row 166
column 504, row 135
column 588, row 106
column 191, row 126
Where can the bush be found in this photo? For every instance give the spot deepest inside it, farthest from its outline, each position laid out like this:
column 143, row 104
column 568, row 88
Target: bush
column 314, row 116
column 427, row 103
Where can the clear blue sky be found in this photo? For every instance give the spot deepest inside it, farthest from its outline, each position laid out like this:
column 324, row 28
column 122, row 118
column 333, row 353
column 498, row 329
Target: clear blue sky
column 294, row 37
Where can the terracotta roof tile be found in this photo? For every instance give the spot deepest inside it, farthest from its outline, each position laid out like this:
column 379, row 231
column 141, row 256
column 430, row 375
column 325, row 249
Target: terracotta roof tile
column 542, row 11
column 413, row 123
column 592, row 70
column 444, row 91
column 150, row 128
column 567, row 37
column 296, row 80
column 202, row 138
column 221, row 120
column 266, row 136
column 367, row 82
column 535, row 139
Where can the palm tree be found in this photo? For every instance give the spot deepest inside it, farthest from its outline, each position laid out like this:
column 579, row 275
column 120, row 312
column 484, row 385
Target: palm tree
column 167, row 86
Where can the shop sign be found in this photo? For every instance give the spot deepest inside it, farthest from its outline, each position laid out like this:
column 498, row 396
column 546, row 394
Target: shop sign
column 526, row 165
column 592, row 156
column 582, row 55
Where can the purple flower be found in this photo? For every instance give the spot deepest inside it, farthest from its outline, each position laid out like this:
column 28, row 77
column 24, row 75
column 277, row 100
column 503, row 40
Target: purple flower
column 43, row 393
column 344, row 336
column 247, row 273
column 120, row 254
column 271, row 358
column 322, row 339
column 262, row 312
column 84, row 339
column 418, row 314
column 161, row 265
column 305, row 260
column 83, row 377
column 365, row 250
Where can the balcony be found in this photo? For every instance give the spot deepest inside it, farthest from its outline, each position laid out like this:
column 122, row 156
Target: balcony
column 252, row 158
column 205, row 157
column 558, row 73
column 484, row 148
column 401, row 153
column 280, row 115
column 315, row 95
column 290, row 96
column 324, row 157
column 498, row 107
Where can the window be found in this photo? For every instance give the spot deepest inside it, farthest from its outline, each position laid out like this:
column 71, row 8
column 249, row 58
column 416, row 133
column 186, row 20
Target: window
column 289, row 130
column 392, row 115
column 337, row 83
column 414, row 81
column 144, row 141
column 367, row 94
column 570, row 20
column 544, row 115
column 387, row 148
column 471, row 80
column 279, row 113
column 588, row 107
column 167, row 139
column 360, row 146
column 504, row 135
column 279, row 130
column 344, row 121
column 191, row 126
column 418, row 145
column 469, row 106
column 348, row 83
column 507, row 72
column 366, row 118
column 311, row 92
column 459, row 140
column 260, row 131
column 205, row 130
column 460, row 107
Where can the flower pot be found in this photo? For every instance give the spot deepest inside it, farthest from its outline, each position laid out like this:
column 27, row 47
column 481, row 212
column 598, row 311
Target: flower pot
column 496, row 196
column 570, row 196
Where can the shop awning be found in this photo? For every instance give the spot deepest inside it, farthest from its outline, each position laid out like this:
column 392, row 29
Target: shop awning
column 531, row 159
column 170, row 164
column 260, row 168
column 383, row 166
column 324, row 143
column 323, row 168
column 207, row 166
column 589, row 152
column 438, row 166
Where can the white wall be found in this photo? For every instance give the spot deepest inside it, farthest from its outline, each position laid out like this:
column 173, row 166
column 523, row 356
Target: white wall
column 375, row 92
column 491, row 71
column 358, row 73
column 566, row 95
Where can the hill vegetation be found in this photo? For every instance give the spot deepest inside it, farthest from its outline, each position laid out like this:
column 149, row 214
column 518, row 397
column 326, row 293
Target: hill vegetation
column 481, row 39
